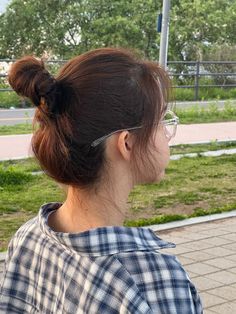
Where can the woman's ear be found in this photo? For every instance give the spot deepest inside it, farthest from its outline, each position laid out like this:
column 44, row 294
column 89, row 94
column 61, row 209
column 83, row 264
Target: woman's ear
column 125, row 144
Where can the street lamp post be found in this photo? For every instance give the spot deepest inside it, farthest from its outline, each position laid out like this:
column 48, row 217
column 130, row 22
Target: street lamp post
column 164, row 33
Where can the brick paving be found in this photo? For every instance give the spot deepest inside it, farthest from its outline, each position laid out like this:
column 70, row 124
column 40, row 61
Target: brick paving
column 208, row 253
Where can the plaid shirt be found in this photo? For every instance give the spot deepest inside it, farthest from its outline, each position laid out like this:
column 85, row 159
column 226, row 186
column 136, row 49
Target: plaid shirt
column 103, row 270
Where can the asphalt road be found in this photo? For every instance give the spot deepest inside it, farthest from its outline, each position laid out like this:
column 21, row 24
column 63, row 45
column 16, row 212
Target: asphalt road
column 17, row 116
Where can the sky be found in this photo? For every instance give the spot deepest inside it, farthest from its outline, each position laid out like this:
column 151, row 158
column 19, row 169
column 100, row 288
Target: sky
column 3, row 4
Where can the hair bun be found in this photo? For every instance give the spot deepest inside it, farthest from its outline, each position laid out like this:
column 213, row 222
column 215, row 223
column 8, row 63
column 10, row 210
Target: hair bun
column 29, row 78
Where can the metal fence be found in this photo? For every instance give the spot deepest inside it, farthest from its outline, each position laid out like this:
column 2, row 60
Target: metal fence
column 221, row 74
column 185, row 74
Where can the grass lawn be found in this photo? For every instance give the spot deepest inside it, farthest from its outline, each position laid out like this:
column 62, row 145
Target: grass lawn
column 23, row 128
column 192, row 187
column 22, row 165
column 11, row 99
column 209, row 114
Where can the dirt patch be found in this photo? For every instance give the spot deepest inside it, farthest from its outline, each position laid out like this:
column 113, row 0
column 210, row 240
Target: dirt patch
column 176, row 209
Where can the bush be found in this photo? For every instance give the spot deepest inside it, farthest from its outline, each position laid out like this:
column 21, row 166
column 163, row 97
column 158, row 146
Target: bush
column 211, row 113
column 210, row 93
column 11, row 99
column 183, row 94
column 10, row 176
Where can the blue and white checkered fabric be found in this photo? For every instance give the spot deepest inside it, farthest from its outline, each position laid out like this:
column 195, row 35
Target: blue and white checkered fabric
column 103, row 270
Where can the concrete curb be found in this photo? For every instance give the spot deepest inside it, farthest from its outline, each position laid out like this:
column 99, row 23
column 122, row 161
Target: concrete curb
column 212, row 153
column 191, row 221
column 206, row 142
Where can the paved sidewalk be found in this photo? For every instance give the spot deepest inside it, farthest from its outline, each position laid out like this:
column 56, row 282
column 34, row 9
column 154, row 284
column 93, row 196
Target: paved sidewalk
column 203, row 132
column 208, row 253
column 18, row 146
column 15, row 146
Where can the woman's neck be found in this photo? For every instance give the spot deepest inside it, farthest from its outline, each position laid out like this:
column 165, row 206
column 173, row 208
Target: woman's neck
column 83, row 211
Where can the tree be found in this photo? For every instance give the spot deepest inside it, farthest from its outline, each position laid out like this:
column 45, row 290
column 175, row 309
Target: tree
column 34, row 26
column 123, row 23
column 198, row 25
column 65, row 28
column 69, row 27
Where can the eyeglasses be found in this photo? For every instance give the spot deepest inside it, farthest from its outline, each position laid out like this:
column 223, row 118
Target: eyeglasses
column 169, row 122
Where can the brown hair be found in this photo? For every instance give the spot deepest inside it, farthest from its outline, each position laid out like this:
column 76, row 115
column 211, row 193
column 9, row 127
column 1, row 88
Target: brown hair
column 94, row 94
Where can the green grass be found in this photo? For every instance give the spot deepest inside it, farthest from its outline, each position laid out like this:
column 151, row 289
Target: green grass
column 9, row 223
column 21, row 195
column 11, row 177
column 160, row 219
column 190, row 183
column 211, row 93
column 28, row 196
column 23, row 128
column 209, row 114
column 192, row 187
column 23, row 165
column 11, row 99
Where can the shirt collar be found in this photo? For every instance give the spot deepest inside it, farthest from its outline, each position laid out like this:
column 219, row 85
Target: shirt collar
column 105, row 240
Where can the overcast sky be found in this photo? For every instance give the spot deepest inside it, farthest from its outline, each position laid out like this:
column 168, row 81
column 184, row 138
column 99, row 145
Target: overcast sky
column 3, row 4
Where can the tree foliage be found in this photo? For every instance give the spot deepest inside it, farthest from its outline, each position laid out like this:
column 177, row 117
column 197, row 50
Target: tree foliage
column 197, row 25
column 64, row 28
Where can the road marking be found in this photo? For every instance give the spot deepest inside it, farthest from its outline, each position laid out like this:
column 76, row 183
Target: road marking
column 13, row 119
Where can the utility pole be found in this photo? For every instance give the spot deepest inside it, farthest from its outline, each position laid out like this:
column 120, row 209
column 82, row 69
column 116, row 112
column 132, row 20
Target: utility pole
column 164, row 33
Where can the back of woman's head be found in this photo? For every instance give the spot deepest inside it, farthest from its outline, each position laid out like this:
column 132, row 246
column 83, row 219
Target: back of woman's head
column 93, row 95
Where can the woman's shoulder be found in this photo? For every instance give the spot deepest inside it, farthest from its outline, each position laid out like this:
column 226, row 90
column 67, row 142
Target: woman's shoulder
column 162, row 280
column 23, row 232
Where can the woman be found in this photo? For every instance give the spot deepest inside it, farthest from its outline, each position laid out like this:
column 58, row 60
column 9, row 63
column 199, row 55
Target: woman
column 101, row 129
